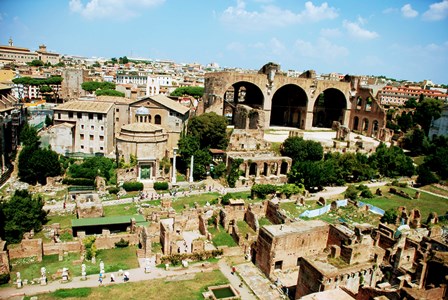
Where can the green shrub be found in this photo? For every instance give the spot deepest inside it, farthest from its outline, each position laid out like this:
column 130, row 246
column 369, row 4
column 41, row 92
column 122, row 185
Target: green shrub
column 161, row 186
column 226, row 199
column 113, row 190
column 4, row 278
column 122, row 243
column 72, row 293
column 351, row 192
column 79, row 181
column 292, row 189
column 366, row 194
column 133, row 186
column 262, row 190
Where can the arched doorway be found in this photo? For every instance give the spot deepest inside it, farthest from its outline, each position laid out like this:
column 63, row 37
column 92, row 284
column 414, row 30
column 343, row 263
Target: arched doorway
column 329, row 107
column 253, row 169
column 355, row 123
column 375, row 127
column 241, row 92
column 289, row 106
column 365, row 126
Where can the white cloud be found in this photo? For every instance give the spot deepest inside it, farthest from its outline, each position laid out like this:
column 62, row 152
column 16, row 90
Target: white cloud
column 120, row 9
column 437, row 11
column 330, row 32
column 355, row 30
column 271, row 15
column 322, row 48
column 408, row 12
column 390, row 10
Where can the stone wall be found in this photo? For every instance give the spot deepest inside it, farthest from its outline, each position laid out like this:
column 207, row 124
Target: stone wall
column 251, row 219
column 338, row 237
column 274, row 215
column 4, row 259
column 107, row 240
column 27, row 248
column 56, row 248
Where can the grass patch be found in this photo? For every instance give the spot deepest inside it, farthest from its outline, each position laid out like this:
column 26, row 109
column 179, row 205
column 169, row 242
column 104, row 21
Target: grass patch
column 114, row 260
column 65, row 221
column 275, row 147
column 418, row 160
column 179, row 203
column 263, row 221
column 153, row 290
column 72, row 293
column 244, row 228
column 435, row 189
column 221, row 237
column 294, row 210
column 426, row 204
column 120, row 210
column 156, row 247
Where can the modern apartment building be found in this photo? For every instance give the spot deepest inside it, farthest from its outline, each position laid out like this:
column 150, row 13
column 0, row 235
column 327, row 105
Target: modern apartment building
column 397, row 96
column 92, row 124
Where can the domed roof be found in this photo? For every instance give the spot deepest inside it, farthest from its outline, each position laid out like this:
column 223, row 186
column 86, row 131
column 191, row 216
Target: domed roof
column 142, row 111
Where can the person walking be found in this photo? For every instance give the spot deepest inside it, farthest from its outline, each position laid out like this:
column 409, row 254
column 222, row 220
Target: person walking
column 101, row 279
column 112, row 277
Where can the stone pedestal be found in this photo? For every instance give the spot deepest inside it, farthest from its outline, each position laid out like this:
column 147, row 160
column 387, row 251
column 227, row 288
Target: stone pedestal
column 19, row 283
column 43, row 281
column 83, row 276
column 147, row 269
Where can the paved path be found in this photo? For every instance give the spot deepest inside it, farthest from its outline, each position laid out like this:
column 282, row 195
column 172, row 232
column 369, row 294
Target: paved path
column 92, row 280
column 235, row 281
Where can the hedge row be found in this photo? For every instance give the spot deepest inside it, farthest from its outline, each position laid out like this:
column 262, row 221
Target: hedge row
column 262, row 190
column 161, row 186
column 132, row 186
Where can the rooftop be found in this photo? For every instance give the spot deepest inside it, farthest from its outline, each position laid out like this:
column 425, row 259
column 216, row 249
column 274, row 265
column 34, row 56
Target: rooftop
column 167, row 102
column 295, row 227
column 139, row 219
column 85, row 106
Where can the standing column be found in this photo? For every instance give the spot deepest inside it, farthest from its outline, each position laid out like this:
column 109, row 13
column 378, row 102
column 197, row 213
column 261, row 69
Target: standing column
column 191, row 168
column 173, row 179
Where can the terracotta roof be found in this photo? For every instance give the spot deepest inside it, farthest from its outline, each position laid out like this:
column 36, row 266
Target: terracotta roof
column 167, row 102
column 85, row 106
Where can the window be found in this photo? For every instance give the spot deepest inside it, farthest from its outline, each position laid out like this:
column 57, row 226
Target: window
column 82, row 126
column 100, row 117
column 117, row 109
column 79, row 115
column 90, row 116
column 177, row 124
column 102, row 128
column 70, row 114
column 117, row 119
column 101, row 148
column 91, row 137
column 158, row 119
column 278, row 265
column 82, row 146
column 81, row 136
column 92, row 127
column 59, row 115
column 101, row 137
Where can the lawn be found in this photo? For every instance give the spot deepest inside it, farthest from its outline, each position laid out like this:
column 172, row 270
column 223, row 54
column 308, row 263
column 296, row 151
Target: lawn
column 120, row 210
column 293, row 210
column 179, row 203
column 426, row 204
column 435, row 189
column 65, row 221
column 221, row 237
column 152, row 290
column 114, row 260
column 245, row 229
column 263, row 221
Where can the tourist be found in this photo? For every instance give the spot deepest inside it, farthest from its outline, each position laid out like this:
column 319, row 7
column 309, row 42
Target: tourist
column 112, row 277
column 101, row 279
column 233, row 270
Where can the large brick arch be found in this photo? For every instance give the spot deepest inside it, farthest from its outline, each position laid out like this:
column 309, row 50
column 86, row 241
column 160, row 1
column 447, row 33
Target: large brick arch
column 289, row 106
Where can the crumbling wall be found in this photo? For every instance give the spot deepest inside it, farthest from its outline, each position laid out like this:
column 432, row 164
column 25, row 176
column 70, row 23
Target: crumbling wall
column 107, row 240
column 27, row 248
column 56, row 248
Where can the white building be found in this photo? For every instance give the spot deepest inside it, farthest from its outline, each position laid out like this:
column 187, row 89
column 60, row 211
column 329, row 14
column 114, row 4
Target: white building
column 440, row 126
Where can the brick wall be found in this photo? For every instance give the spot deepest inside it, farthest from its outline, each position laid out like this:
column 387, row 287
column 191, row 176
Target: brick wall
column 54, row 248
column 27, row 248
column 108, row 241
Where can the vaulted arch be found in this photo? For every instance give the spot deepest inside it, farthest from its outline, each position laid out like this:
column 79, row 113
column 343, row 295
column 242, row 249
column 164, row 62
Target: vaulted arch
column 241, row 92
column 289, row 106
column 329, row 106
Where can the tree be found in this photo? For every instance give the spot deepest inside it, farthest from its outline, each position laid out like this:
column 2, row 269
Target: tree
column 36, row 63
column 302, row 150
column 210, row 129
column 48, row 121
column 194, row 91
column 351, row 192
column 28, row 136
column 425, row 176
column 390, row 216
column 405, row 121
column 392, row 161
column 411, row 103
column 123, row 60
column 416, row 142
column 427, row 110
column 109, row 93
column 92, row 167
column 21, row 214
column 235, row 172
column 90, row 86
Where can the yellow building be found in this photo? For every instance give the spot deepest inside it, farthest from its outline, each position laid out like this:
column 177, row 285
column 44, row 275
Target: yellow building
column 12, row 54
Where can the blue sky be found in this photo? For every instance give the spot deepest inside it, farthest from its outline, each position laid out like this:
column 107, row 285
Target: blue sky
column 399, row 39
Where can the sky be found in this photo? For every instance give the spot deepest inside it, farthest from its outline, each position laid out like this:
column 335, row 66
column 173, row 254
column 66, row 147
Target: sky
column 405, row 40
